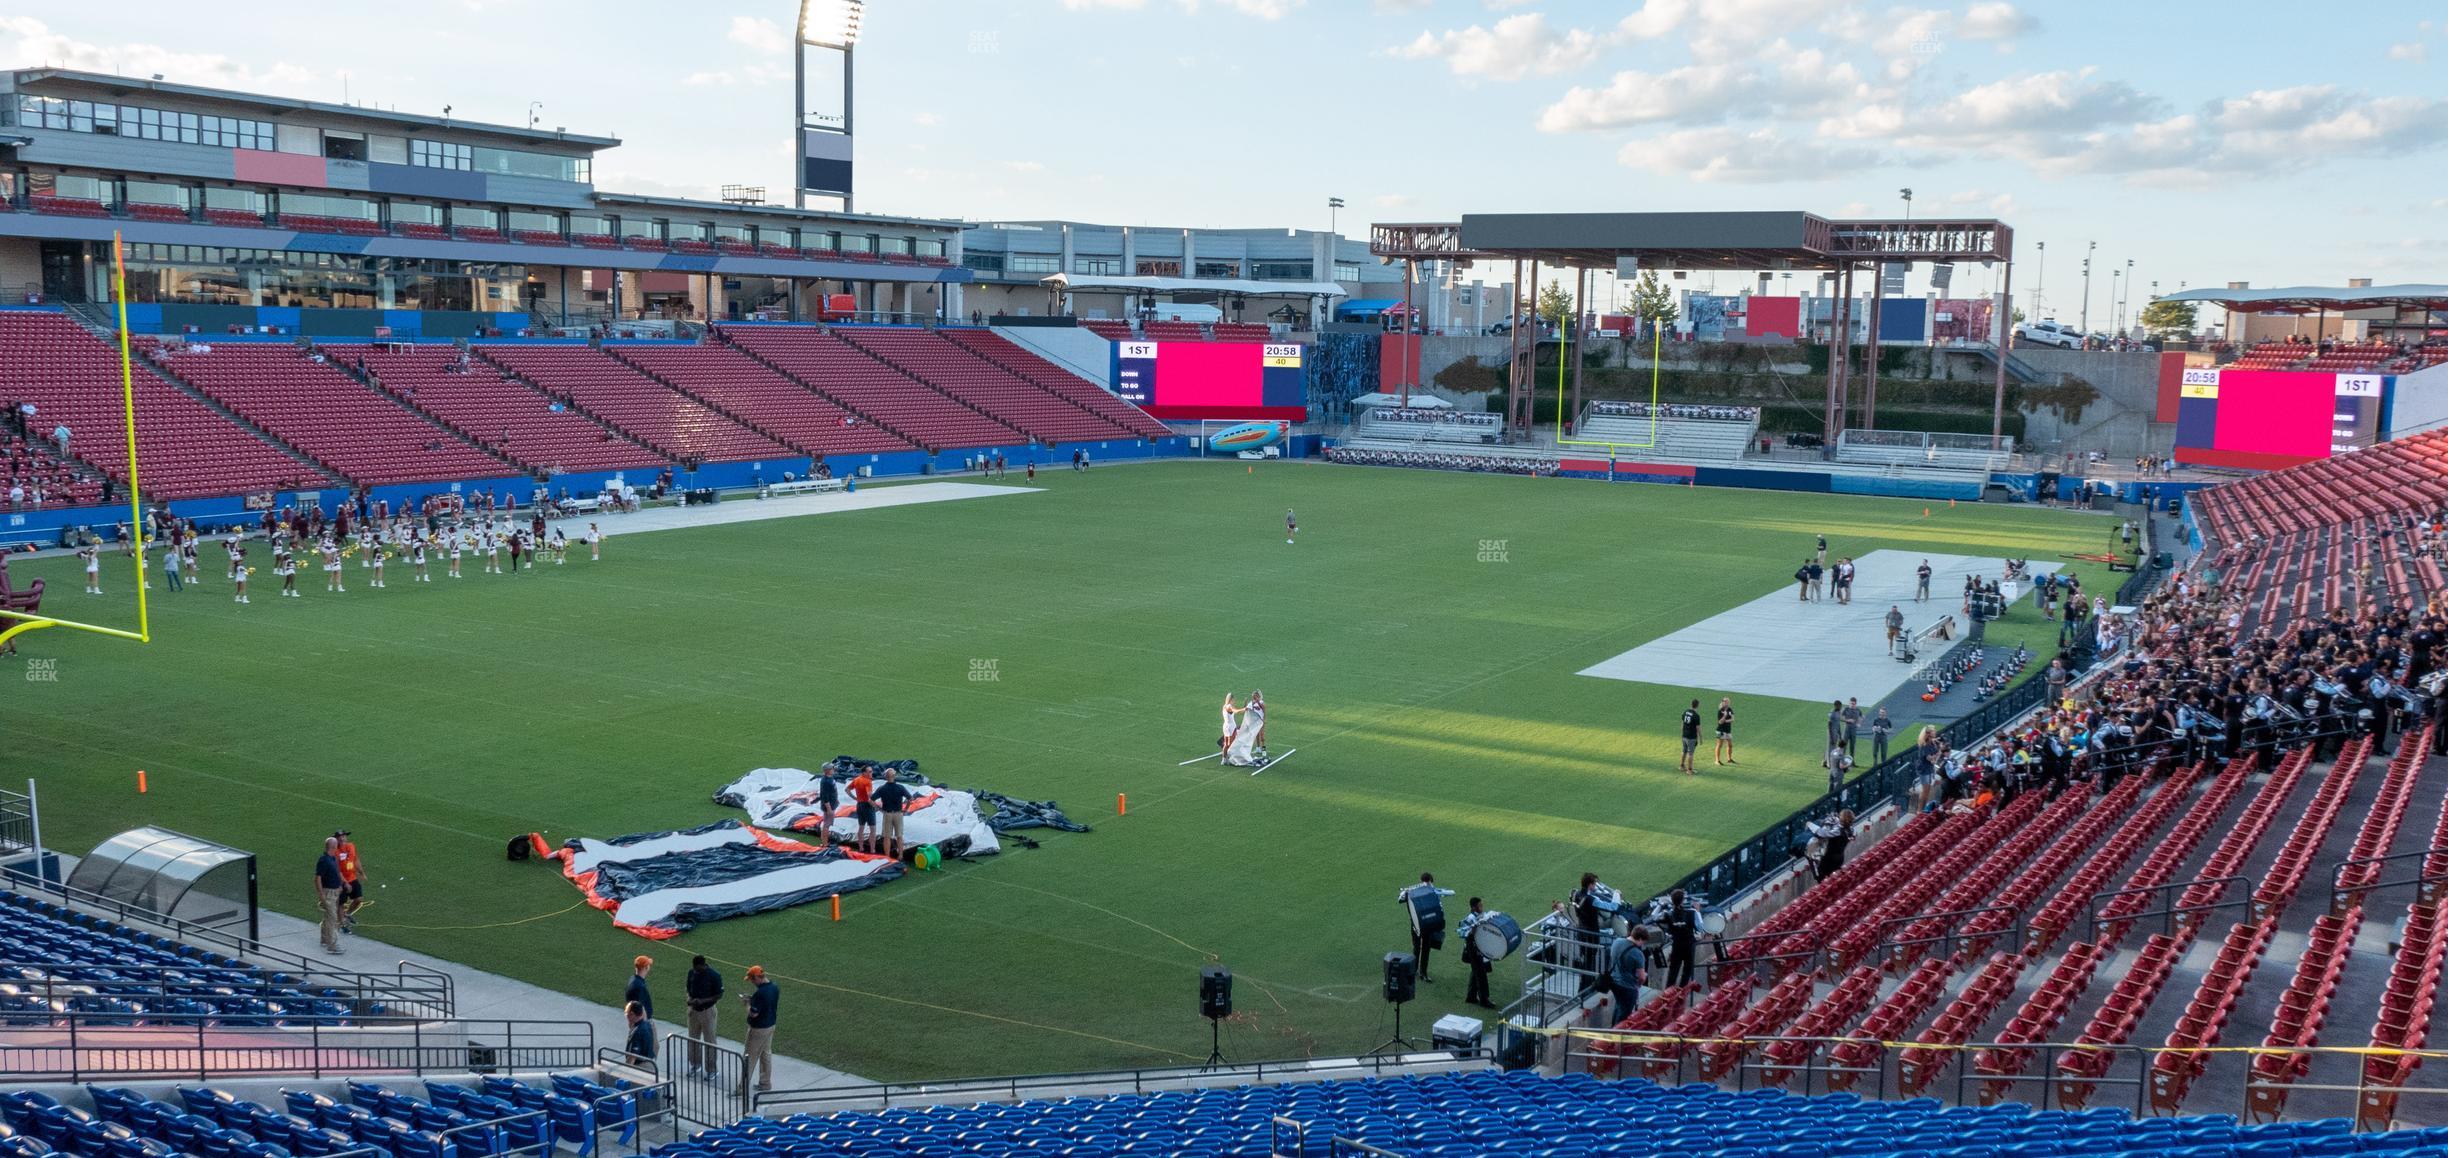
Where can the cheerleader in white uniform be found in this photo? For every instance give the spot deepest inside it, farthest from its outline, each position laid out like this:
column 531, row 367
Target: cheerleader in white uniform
column 378, row 554
column 284, row 565
column 594, row 542
column 416, row 557
column 560, row 547
column 492, row 552
column 188, row 562
column 365, row 546
column 238, row 574
column 450, row 541
column 93, row 568
column 331, row 568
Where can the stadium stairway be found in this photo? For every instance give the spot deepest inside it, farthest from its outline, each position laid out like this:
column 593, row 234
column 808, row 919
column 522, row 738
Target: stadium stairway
column 991, row 390
column 1057, row 381
column 818, row 359
column 623, row 397
column 753, row 394
column 321, row 410
column 493, row 409
column 1485, row 1113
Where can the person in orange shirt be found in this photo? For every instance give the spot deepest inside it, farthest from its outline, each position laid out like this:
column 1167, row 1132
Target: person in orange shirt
column 352, row 881
column 862, row 798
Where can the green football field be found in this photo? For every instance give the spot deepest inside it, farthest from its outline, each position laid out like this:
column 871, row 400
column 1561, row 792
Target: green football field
column 1072, row 645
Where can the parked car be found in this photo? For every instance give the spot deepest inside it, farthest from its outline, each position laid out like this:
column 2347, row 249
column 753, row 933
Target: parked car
column 2048, row 334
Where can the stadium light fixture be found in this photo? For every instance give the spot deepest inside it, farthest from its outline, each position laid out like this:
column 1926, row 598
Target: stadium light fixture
column 830, row 23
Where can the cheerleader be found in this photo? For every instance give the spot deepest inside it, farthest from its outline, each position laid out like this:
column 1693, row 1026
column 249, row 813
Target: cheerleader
column 594, row 542
column 450, row 541
column 193, row 566
column 560, row 548
column 416, row 557
column 331, row 568
column 284, row 565
column 375, row 559
column 92, row 555
column 492, row 550
column 238, row 571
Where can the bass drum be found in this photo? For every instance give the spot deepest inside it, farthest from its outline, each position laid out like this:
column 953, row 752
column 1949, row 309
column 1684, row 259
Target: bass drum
column 1713, row 924
column 1496, row 937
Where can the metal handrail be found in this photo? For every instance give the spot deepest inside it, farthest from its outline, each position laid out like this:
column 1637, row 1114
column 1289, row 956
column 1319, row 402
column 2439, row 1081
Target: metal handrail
column 205, row 1047
column 2339, row 890
column 2101, row 900
column 1018, row 1087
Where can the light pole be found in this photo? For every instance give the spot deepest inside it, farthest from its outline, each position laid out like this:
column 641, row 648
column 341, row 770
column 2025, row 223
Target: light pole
column 2040, row 286
column 2085, row 326
column 533, row 107
column 2116, row 300
column 2124, row 314
column 1332, row 204
column 1907, row 195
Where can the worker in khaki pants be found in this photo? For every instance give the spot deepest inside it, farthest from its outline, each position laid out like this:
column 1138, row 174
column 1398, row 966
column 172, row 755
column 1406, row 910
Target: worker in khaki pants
column 328, row 887
column 705, row 990
column 764, row 1000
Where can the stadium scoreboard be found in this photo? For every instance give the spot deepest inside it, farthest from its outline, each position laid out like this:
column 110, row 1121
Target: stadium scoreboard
column 1214, row 379
column 2272, row 419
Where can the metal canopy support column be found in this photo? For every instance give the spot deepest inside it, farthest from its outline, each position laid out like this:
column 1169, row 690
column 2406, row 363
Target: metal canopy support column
column 1517, row 411
column 1410, row 330
column 1840, row 332
column 2005, row 335
column 1580, row 311
column 1870, row 355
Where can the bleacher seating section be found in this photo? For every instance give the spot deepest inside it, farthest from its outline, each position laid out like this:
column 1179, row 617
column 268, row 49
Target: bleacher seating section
column 2296, row 541
column 858, row 382
column 1519, row 1113
column 639, row 406
column 1174, row 331
column 35, row 466
column 1062, row 383
column 188, row 450
column 357, row 432
column 1679, row 440
column 496, row 411
column 59, row 960
column 757, row 394
column 1115, row 329
column 1242, row 332
column 952, row 368
column 496, row 1116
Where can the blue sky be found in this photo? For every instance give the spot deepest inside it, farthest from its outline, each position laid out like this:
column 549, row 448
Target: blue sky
column 2308, row 149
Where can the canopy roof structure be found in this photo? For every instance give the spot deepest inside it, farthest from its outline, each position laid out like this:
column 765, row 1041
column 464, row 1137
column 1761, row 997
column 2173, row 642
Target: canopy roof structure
column 172, row 874
column 2308, row 299
column 1697, row 241
column 1093, row 283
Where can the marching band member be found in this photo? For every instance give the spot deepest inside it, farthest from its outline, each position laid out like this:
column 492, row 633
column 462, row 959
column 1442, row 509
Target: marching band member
column 1423, row 904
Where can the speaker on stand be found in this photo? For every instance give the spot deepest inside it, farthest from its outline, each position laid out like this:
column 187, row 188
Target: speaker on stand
column 1401, row 985
column 1215, row 1004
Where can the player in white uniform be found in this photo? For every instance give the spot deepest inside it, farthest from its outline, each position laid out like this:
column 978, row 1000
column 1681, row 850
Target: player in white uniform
column 92, row 556
column 594, row 542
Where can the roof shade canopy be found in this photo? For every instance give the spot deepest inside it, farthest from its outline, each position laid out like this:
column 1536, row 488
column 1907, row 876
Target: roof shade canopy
column 2307, row 299
column 1733, row 240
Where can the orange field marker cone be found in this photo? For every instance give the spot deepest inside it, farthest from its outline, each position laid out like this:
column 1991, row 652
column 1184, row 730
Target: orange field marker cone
column 1121, row 804
column 1925, row 512
column 140, row 782
column 1950, row 504
column 837, row 906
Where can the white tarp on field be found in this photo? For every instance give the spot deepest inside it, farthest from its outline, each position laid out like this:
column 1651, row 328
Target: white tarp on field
column 787, row 798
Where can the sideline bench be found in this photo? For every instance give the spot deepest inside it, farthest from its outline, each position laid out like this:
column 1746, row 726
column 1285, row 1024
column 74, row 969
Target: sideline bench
column 801, row 487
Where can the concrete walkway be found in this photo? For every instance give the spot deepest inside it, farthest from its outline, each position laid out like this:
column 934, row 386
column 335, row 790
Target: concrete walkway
column 485, row 995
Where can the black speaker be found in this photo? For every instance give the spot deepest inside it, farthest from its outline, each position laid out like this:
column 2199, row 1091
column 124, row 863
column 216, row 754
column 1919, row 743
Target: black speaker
column 1215, row 992
column 1401, row 977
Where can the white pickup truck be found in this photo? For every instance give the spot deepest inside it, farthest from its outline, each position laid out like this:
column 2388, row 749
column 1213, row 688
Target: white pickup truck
column 2048, row 334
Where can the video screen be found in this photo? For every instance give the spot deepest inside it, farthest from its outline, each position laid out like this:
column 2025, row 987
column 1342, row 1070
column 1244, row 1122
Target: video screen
column 2272, row 419
column 1213, row 379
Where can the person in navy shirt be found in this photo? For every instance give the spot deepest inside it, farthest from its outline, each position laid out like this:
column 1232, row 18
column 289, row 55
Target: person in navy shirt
column 764, row 1002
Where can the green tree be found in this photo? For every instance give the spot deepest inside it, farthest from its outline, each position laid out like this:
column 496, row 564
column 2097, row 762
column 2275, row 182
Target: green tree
column 2166, row 317
column 1555, row 305
column 1652, row 302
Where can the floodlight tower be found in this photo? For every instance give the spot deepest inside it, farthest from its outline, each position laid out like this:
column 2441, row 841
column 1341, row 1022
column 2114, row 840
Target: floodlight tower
column 822, row 138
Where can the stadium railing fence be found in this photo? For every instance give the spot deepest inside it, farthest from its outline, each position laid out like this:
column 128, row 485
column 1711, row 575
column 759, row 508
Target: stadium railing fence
column 82, row 1046
column 409, row 990
column 879, row 1095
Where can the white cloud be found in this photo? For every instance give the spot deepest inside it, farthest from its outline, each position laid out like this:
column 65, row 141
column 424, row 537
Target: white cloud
column 726, row 77
column 1995, row 22
column 1517, row 47
column 1115, row 5
column 759, row 35
column 29, row 43
column 926, row 120
column 1743, row 157
column 1393, row 201
column 1025, row 166
column 1799, row 81
column 1655, row 18
column 1394, row 6
column 1261, row 9
column 2412, row 52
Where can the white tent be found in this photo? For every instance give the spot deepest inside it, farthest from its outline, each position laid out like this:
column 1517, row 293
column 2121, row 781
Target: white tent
column 1418, row 401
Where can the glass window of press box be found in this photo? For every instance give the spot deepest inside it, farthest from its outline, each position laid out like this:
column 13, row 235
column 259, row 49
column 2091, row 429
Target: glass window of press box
column 219, row 275
column 103, row 118
column 474, row 217
column 415, row 213
column 857, row 243
column 646, row 227
column 322, row 205
column 159, row 193
column 581, row 224
column 531, row 221
column 71, row 185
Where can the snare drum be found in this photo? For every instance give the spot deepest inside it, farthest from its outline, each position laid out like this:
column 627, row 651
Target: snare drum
column 1496, row 937
column 1713, row 924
